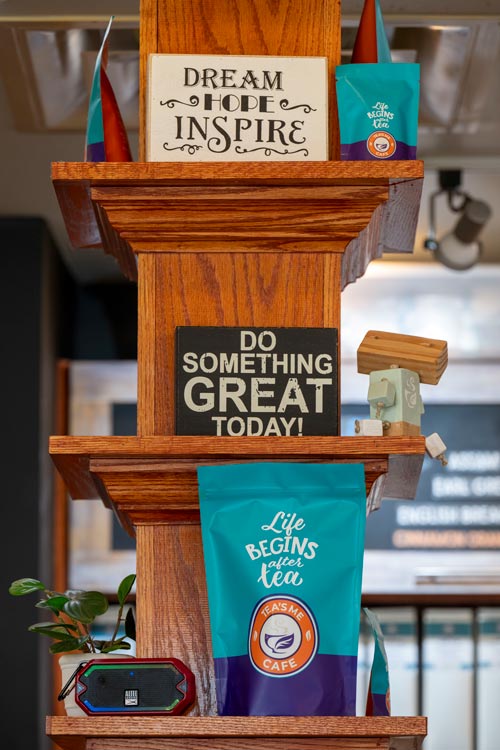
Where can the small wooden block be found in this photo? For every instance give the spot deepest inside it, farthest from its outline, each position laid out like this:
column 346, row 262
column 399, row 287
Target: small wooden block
column 381, row 392
column 434, row 445
column 396, row 429
column 380, row 349
column 369, row 427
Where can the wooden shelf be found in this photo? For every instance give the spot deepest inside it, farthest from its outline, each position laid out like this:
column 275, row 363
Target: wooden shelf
column 229, row 733
column 236, row 173
column 154, row 478
column 358, row 209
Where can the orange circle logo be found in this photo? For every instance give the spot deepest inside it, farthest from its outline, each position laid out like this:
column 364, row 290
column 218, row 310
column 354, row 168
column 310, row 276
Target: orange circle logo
column 381, row 145
column 283, row 636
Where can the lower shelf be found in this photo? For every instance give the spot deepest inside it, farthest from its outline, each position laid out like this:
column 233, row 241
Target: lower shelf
column 238, row 732
column 153, row 479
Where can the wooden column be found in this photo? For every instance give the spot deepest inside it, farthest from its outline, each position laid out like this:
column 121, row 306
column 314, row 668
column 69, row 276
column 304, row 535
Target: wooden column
column 290, row 28
column 222, row 289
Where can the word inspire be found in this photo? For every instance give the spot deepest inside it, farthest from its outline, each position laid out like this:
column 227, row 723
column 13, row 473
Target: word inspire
column 288, row 550
column 265, row 392
column 219, row 133
column 380, row 115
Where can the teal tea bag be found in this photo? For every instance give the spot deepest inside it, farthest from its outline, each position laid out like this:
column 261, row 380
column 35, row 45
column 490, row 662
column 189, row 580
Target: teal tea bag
column 378, row 701
column 283, row 546
column 378, row 110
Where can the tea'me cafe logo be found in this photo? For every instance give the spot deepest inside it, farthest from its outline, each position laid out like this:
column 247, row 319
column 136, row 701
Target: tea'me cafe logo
column 237, row 108
column 283, row 636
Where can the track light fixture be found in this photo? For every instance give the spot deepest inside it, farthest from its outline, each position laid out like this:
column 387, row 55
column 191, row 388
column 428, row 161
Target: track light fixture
column 460, row 248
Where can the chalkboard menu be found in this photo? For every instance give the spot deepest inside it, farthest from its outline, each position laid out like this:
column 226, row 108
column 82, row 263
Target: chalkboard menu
column 457, row 507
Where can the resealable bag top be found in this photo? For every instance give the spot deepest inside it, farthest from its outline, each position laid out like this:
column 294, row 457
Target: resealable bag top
column 283, row 547
column 377, row 99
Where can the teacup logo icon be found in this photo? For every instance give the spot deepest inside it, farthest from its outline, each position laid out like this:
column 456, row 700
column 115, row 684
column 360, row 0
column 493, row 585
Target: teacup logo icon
column 283, row 636
column 381, row 145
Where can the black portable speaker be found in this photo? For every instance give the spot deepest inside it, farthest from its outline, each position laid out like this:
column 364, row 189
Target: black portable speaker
column 134, row 686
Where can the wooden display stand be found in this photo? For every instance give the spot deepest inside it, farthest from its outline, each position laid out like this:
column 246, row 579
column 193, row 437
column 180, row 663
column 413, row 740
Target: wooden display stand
column 246, row 244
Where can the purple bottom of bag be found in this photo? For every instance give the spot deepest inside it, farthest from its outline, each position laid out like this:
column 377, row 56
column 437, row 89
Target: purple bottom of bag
column 96, row 152
column 327, row 687
column 379, row 705
column 359, row 152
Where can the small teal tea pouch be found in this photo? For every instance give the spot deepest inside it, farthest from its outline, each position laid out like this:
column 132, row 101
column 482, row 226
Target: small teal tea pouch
column 283, row 546
column 378, row 701
column 378, row 110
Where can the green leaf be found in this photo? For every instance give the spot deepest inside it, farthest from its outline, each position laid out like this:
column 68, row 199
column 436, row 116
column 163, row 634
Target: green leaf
column 25, row 586
column 125, row 587
column 58, row 632
column 54, row 603
column 119, row 645
column 53, row 625
column 70, row 644
column 85, row 606
column 130, row 624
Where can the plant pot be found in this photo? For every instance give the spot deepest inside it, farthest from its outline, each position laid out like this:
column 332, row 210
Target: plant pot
column 68, row 664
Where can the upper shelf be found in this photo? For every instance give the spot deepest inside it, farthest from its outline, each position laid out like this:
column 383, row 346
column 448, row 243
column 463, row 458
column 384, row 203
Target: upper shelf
column 238, row 173
column 356, row 208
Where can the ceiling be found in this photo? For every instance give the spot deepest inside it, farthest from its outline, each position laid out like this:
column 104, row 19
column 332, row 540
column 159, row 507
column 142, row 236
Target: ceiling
column 47, row 58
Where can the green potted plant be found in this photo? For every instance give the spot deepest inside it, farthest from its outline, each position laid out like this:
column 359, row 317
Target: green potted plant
column 73, row 613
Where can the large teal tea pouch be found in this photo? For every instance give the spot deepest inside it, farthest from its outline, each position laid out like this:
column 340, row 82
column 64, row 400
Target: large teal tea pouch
column 378, row 110
column 283, row 546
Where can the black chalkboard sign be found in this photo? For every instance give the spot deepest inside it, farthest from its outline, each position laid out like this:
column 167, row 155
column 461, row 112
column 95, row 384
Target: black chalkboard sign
column 256, row 381
column 457, row 507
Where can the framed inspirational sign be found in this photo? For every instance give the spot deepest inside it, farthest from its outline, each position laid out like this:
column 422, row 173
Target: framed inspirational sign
column 256, row 381
column 238, row 108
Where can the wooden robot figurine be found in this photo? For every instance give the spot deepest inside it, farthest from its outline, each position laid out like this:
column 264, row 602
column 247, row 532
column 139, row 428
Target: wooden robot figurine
column 397, row 364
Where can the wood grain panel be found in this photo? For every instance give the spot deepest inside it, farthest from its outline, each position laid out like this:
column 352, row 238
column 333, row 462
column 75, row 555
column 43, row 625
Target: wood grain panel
column 400, row 218
column 236, row 173
column 381, row 350
column 79, row 217
column 361, row 250
column 166, row 492
column 278, row 727
column 172, row 606
column 255, row 27
column 148, row 44
column 150, row 217
column 146, row 344
column 113, row 244
column 222, row 743
column 152, row 357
